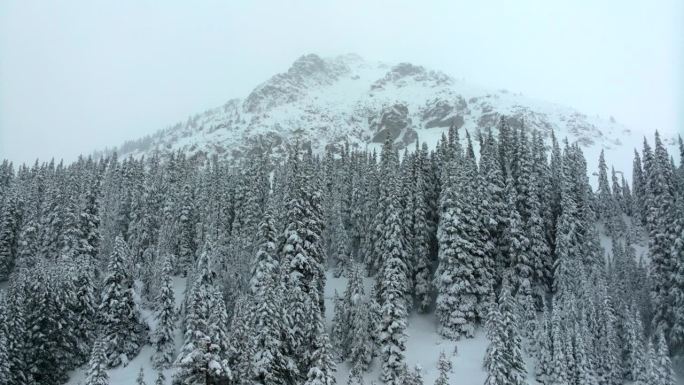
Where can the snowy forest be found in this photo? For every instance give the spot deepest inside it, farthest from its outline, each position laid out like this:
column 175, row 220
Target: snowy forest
column 495, row 232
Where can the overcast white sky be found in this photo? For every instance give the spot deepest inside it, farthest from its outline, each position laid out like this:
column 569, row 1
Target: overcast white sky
column 80, row 75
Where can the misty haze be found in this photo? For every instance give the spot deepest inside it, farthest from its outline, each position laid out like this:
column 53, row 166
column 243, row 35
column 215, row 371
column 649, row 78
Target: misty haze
column 320, row 193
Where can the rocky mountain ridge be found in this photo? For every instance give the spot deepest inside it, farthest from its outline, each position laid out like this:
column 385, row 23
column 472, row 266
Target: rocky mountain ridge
column 330, row 101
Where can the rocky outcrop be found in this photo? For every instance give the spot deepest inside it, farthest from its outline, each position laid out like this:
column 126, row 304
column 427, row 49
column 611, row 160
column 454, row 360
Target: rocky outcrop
column 393, row 122
column 443, row 113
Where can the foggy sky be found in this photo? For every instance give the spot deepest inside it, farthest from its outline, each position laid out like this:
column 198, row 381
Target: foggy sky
column 76, row 76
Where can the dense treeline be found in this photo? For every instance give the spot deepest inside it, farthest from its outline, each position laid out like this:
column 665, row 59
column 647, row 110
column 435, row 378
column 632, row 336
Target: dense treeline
column 506, row 239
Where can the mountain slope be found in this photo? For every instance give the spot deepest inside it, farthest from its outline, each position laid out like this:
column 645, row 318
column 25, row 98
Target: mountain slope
column 346, row 99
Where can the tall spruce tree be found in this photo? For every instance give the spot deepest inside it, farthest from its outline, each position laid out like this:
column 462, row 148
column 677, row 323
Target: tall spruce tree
column 163, row 337
column 124, row 332
column 97, row 371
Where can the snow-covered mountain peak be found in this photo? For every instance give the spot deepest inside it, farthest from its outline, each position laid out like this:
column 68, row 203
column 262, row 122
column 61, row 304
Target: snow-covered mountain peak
column 326, row 101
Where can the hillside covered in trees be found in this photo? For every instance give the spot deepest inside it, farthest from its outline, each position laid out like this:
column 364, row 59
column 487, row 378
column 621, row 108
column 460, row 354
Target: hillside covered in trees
column 492, row 232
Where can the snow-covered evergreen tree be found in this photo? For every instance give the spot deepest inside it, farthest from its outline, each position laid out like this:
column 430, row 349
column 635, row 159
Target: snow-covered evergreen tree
column 495, row 357
column 421, row 235
column 662, row 221
column 455, row 277
column 322, row 367
column 393, row 322
column 186, row 224
column 559, row 371
column 270, row 362
column 163, row 337
column 124, row 332
column 512, row 342
column 5, row 365
column 444, row 367
column 355, row 377
column 97, row 366
column 413, row 377
column 663, row 365
column 10, row 227
column 140, row 380
column 361, row 329
column 266, row 264
column 203, row 358
column 635, row 352
column 161, row 379
column 544, row 351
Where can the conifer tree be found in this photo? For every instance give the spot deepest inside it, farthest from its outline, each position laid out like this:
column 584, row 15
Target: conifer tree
column 413, row 377
column 393, row 323
column 83, row 304
column 218, row 334
column 322, row 367
column 270, row 364
column 559, row 374
column 340, row 328
column 241, row 350
column 650, row 373
column 662, row 222
column 392, row 282
column 140, row 380
column 517, row 246
column 457, row 294
column 186, row 224
column 495, row 357
column 28, row 250
column 635, row 352
column 444, row 368
column 15, row 330
column 390, row 243
column 360, row 332
column 203, row 358
column 166, row 316
column 664, row 371
column 495, row 211
column 421, row 239
column 544, row 345
column 539, row 252
column 5, row 365
column 301, row 251
column 617, row 190
column 10, row 222
column 568, row 245
column 355, row 377
column 97, row 371
column 124, row 332
column 161, row 379
column 515, row 366
column 266, row 264
column 639, row 187
column 584, row 366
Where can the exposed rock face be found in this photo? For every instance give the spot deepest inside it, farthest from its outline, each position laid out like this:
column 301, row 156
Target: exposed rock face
column 394, row 122
column 517, row 117
column 333, row 102
column 442, row 113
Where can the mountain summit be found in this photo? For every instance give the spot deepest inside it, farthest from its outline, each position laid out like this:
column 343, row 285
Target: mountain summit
column 328, row 101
